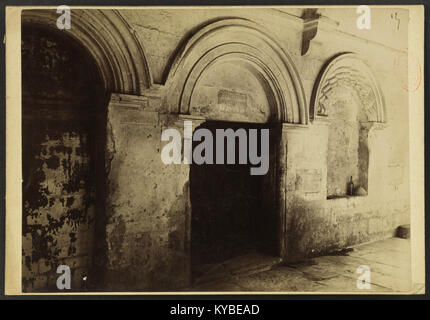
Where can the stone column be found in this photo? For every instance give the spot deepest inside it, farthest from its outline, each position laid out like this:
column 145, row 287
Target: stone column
column 303, row 183
column 179, row 125
column 289, row 146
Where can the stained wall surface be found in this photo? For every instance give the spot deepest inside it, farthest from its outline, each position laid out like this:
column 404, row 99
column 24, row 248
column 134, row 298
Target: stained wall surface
column 59, row 157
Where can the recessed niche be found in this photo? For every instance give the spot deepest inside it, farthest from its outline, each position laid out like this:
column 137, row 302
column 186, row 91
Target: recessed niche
column 347, row 154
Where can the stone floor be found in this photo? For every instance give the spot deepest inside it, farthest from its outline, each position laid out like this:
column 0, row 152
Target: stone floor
column 388, row 260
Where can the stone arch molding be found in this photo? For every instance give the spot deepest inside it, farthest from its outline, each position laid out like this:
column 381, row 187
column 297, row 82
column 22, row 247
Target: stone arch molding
column 350, row 71
column 244, row 42
column 110, row 41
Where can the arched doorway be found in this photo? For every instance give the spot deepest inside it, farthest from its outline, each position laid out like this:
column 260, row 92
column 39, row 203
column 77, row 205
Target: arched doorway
column 63, row 142
column 113, row 58
column 233, row 71
column 235, row 214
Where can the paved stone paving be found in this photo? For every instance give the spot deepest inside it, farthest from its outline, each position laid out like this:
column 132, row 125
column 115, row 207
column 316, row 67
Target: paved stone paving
column 388, row 260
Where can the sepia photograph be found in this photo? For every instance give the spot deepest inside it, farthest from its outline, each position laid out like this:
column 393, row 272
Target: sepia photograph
column 215, row 150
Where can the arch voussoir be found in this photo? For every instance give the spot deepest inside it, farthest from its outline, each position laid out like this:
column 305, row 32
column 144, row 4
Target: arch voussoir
column 108, row 38
column 349, row 70
column 247, row 42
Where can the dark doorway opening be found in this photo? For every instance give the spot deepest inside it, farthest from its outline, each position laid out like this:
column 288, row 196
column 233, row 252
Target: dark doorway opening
column 63, row 144
column 234, row 213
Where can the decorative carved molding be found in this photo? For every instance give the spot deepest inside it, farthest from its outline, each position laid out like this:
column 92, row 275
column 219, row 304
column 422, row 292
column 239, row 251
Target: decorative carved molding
column 293, row 127
column 127, row 101
column 348, row 70
column 316, row 29
column 110, row 41
column 239, row 41
column 132, row 110
column 310, row 29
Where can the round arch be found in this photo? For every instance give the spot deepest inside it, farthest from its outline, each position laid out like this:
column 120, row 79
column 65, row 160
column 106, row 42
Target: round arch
column 104, row 33
column 348, row 69
column 248, row 43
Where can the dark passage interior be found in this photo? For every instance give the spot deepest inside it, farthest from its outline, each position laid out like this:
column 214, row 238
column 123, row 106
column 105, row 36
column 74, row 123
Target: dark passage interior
column 233, row 212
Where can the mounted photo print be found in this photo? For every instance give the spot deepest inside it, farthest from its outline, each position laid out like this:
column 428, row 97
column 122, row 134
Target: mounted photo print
column 215, row 150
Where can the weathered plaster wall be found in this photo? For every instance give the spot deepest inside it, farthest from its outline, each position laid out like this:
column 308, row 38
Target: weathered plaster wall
column 59, row 187
column 314, row 225
column 148, row 202
column 59, row 208
column 163, row 31
column 321, row 226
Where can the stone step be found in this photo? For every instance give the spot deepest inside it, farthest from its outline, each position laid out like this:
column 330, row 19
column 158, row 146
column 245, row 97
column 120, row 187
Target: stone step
column 241, row 265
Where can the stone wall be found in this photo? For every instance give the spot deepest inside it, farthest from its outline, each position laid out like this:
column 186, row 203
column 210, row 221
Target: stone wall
column 317, row 225
column 148, row 202
column 148, row 206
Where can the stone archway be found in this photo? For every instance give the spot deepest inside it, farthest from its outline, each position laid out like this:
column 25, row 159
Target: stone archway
column 348, row 96
column 348, row 70
column 232, row 71
column 245, row 42
column 109, row 53
column 119, row 56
